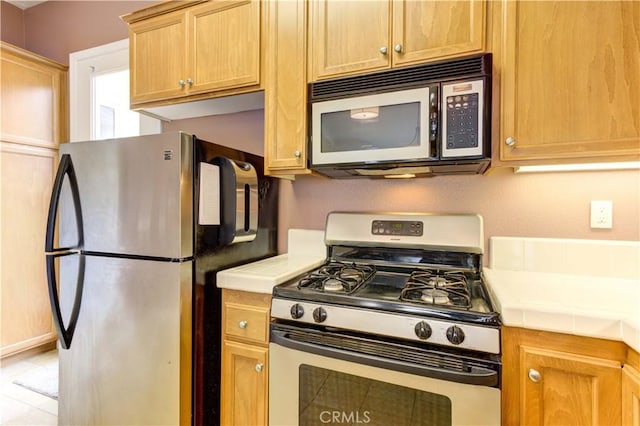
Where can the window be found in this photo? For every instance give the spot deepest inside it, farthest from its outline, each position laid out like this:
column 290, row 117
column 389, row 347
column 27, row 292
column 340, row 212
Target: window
column 99, row 95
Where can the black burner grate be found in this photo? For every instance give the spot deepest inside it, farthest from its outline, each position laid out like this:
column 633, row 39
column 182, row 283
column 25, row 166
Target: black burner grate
column 338, row 277
column 435, row 287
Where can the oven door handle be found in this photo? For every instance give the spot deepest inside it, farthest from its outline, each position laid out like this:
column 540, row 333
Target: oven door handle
column 481, row 377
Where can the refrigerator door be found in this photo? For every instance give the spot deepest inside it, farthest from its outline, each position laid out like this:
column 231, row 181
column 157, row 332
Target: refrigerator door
column 126, row 364
column 136, row 196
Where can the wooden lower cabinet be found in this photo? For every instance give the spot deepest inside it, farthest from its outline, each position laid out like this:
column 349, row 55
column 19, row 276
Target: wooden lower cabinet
column 25, row 185
column 558, row 379
column 245, row 356
column 244, row 380
column 631, row 390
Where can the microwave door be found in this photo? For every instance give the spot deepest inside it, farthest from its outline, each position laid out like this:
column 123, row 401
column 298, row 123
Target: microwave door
column 383, row 127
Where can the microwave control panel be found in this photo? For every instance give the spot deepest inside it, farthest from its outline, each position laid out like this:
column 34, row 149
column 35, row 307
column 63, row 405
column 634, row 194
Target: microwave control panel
column 462, row 111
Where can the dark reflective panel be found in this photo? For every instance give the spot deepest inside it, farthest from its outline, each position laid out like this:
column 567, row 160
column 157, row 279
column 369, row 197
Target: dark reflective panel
column 331, row 397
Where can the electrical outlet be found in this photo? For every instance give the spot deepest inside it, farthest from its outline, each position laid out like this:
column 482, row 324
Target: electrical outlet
column 601, row 214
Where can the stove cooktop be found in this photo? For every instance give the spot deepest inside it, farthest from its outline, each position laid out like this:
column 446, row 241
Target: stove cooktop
column 447, row 294
column 385, row 279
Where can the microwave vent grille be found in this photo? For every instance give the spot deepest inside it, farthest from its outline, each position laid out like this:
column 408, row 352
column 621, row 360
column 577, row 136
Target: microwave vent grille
column 402, row 77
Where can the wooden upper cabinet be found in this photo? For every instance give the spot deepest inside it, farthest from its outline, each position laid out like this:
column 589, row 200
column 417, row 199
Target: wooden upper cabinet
column 286, row 88
column 34, row 98
column 224, row 45
column 569, row 76
column 349, row 37
column 424, row 30
column 158, row 57
column 194, row 50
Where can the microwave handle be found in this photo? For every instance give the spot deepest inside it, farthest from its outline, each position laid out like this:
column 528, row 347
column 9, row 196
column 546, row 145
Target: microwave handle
column 434, row 102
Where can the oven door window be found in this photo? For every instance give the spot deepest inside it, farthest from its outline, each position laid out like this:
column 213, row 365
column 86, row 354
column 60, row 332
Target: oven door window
column 333, row 397
column 382, row 127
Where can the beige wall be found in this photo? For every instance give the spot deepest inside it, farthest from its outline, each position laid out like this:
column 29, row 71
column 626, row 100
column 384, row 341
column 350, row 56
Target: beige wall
column 56, row 28
column 11, row 24
column 549, row 205
column 532, row 205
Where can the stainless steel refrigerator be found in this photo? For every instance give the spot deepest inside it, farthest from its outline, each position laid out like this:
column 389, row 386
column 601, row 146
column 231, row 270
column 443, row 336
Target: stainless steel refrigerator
column 137, row 229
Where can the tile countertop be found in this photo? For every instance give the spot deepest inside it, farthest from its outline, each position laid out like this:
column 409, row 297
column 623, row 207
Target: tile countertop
column 306, row 251
column 582, row 287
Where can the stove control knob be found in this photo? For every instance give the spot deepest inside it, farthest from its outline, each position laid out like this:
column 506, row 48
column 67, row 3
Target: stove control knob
column 297, row 311
column 423, row 330
column 319, row 314
column 455, row 335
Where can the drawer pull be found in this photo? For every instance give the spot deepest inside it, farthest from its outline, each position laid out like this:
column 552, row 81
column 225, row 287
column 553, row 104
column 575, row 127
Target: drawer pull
column 243, row 324
column 259, row 367
column 534, row 375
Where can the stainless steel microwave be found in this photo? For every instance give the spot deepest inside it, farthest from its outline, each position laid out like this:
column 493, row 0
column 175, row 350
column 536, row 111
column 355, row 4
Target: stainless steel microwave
column 417, row 121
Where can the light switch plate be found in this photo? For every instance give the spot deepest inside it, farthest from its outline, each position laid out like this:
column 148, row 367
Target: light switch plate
column 601, row 214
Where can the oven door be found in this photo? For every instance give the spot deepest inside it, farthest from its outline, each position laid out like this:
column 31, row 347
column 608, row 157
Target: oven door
column 319, row 383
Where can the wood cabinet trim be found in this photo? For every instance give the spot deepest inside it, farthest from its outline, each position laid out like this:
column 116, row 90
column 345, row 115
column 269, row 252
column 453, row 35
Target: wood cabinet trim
column 158, row 9
column 630, row 396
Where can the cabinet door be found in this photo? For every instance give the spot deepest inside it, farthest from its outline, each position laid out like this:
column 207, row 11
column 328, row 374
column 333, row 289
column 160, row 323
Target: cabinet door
column 425, row 30
column 349, row 37
column 564, row 388
column 285, row 110
column 224, row 45
column 158, row 58
column 244, row 384
column 630, row 396
column 570, row 80
column 33, row 109
column 27, row 176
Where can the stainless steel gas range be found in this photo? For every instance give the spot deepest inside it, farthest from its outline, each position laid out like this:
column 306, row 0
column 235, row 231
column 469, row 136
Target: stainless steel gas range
column 397, row 327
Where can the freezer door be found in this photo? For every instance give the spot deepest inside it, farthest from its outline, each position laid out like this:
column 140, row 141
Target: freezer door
column 130, row 358
column 136, row 196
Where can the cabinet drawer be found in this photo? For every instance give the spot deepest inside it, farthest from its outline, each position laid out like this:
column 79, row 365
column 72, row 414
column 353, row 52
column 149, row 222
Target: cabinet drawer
column 246, row 322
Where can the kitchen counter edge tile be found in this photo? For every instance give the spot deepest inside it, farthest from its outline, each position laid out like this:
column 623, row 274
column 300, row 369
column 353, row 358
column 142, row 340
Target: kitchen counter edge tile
column 601, row 307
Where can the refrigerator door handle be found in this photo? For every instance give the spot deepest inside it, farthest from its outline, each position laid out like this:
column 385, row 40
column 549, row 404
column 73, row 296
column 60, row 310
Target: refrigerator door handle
column 64, row 169
column 65, row 334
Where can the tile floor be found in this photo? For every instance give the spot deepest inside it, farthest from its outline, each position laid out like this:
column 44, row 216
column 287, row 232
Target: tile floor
column 20, row 406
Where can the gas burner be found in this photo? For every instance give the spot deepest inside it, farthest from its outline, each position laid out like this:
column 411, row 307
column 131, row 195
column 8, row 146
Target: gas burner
column 435, row 296
column 332, row 284
column 437, row 287
column 337, row 277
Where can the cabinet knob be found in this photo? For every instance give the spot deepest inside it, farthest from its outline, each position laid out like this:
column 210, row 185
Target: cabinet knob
column 534, row 375
column 397, row 48
column 181, row 83
column 297, row 154
column 242, row 324
column 383, row 50
column 190, row 82
column 510, row 141
column 259, row 367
